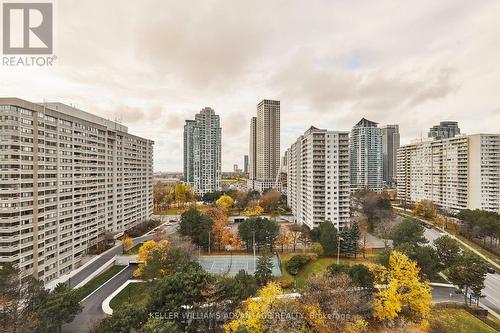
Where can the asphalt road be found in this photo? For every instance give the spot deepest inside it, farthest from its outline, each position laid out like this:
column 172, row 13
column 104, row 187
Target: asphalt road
column 92, row 306
column 491, row 290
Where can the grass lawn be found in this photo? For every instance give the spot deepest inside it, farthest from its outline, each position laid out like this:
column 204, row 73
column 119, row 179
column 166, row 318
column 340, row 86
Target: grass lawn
column 138, row 295
column 317, row 266
column 135, row 249
column 98, row 281
column 461, row 321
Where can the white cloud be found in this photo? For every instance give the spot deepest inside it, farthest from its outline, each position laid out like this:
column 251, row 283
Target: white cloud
column 154, row 64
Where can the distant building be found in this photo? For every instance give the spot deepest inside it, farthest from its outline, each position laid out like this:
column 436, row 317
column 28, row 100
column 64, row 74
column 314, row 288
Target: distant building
column 445, row 130
column 246, row 163
column 202, row 152
column 236, row 168
column 318, row 177
column 366, row 165
column 265, row 146
column 455, row 173
column 390, row 145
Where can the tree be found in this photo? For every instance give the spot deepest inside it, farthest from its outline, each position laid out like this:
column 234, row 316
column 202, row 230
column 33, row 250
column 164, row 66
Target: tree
column 326, row 295
column 61, row 306
column 250, row 317
column 270, row 200
column 264, row 270
column 152, row 257
column 425, row 257
column 179, row 289
column 127, row 243
column 448, row 250
column 156, row 325
column 253, row 209
column 318, row 249
column 328, row 237
column 296, row 263
column 219, row 219
column 404, row 291
column 225, row 202
column 19, row 301
column 284, row 238
column 237, row 288
column 409, row 231
column 125, row 319
column 468, row 273
column 263, row 230
column 361, row 276
column 374, row 206
column 295, row 233
column 350, row 237
column 183, row 194
column 197, row 226
column 425, row 208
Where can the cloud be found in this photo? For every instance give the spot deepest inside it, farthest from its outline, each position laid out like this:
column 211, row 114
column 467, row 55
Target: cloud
column 155, row 63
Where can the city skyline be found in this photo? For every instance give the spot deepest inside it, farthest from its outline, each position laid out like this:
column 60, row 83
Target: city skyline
column 439, row 64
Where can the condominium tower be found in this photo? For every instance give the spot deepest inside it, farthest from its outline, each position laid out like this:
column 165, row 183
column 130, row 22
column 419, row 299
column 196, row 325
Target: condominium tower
column 66, row 178
column 318, row 177
column 390, row 145
column 265, row 146
column 202, row 152
column 366, row 163
column 456, row 173
column 445, row 130
column 246, row 163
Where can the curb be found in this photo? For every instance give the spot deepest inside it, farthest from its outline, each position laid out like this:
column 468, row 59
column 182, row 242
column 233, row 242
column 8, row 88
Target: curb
column 102, row 285
column 106, row 308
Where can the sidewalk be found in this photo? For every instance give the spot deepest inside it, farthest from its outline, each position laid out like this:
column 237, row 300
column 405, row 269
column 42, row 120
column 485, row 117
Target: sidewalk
column 452, row 236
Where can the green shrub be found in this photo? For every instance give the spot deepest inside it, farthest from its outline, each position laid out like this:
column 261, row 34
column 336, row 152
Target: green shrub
column 318, row 249
column 339, row 268
column 295, row 264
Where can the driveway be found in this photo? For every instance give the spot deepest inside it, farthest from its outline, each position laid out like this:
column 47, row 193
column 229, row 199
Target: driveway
column 491, row 289
column 92, row 306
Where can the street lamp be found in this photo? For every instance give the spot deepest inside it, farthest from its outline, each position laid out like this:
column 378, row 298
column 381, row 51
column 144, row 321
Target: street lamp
column 253, row 245
column 209, row 242
column 338, row 249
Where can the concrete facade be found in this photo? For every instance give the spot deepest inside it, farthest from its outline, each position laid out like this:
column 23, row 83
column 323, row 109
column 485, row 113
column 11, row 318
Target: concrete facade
column 318, row 177
column 202, row 152
column 66, row 178
column 462, row 172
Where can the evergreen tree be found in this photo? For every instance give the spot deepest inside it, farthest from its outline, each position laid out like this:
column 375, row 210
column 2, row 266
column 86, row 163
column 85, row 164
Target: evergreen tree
column 263, row 271
column 328, row 237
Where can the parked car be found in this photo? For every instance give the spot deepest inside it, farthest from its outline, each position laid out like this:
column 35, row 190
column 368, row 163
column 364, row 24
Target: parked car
column 491, row 270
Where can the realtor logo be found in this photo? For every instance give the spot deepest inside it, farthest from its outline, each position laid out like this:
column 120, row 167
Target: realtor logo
column 27, row 28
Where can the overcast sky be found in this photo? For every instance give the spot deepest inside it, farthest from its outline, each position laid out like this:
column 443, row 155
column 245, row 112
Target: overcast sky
column 154, row 64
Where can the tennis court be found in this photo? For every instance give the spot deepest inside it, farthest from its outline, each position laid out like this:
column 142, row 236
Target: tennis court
column 231, row 265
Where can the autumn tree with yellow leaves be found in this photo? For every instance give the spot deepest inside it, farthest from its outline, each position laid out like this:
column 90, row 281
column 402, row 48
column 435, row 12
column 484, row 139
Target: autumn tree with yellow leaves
column 225, row 202
column 127, row 243
column 253, row 209
column 425, row 208
column 150, row 257
column 404, row 292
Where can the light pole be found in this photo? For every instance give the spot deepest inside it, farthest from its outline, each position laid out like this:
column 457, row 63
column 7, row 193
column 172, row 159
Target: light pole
column 253, row 245
column 209, row 242
column 338, row 249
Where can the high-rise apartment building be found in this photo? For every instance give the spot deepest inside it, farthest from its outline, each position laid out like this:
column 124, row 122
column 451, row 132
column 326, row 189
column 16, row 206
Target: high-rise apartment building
column 265, row 146
column 455, row 173
column 246, row 163
column 445, row 130
column 390, row 145
column 366, row 156
column 66, row 178
column 202, row 152
column 318, row 177
column 252, row 168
